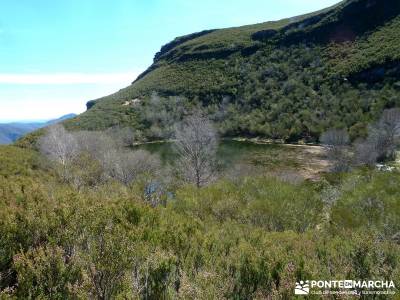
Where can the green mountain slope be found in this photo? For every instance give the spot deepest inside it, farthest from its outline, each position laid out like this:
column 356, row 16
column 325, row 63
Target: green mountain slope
column 290, row 79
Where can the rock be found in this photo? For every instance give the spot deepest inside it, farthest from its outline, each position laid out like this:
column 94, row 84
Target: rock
column 264, row 34
column 132, row 102
column 90, row 104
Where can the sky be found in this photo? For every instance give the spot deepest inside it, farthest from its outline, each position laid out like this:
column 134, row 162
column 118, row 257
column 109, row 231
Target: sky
column 57, row 55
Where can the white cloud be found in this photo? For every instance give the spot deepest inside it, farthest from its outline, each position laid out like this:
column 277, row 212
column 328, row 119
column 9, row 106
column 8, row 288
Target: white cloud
column 68, row 78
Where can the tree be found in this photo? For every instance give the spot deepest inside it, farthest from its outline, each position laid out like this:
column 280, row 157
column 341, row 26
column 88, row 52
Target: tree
column 123, row 137
column 365, row 153
column 126, row 166
column 99, row 147
column 116, row 160
column 385, row 134
column 196, row 144
column 336, row 143
column 382, row 141
column 88, row 159
column 60, row 146
column 335, row 138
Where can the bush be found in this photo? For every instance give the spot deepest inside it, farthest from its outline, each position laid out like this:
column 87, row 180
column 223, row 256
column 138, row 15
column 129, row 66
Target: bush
column 47, row 272
column 251, row 238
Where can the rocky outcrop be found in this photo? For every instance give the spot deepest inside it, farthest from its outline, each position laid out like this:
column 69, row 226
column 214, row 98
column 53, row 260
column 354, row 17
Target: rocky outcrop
column 339, row 24
column 345, row 23
column 263, row 35
column 90, row 104
column 178, row 41
column 389, row 70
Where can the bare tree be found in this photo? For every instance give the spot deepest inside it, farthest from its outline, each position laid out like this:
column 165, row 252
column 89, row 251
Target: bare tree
column 123, row 136
column 97, row 145
column 335, row 137
column 382, row 141
column 385, row 135
column 365, row 153
column 61, row 147
column 75, row 155
column 58, row 145
column 336, row 143
column 196, row 144
column 86, row 158
column 117, row 162
column 128, row 166
column 97, row 151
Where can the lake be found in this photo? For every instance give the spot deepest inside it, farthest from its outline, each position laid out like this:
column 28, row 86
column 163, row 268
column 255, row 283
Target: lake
column 307, row 160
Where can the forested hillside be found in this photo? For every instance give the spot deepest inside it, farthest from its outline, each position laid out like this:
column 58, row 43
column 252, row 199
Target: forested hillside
column 291, row 79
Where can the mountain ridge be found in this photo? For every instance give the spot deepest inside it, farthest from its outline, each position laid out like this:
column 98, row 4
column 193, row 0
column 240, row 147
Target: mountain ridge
column 329, row 60
column 10, row 132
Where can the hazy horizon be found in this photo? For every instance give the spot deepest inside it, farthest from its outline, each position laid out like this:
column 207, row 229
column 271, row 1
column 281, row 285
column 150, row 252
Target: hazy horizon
column 29, row 121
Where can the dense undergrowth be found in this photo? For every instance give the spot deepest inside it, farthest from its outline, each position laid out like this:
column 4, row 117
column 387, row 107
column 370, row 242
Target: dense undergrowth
column 245, row 238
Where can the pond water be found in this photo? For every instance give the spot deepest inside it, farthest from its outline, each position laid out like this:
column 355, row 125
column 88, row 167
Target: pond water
column 231, row 152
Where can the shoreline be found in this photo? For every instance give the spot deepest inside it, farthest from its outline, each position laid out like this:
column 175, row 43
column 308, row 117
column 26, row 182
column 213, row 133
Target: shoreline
column 258, row 141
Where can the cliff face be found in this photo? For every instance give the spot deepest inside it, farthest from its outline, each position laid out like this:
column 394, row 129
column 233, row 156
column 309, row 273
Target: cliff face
column 343, row 56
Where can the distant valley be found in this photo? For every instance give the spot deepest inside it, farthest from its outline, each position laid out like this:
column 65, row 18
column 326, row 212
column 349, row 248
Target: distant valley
column 10, row 132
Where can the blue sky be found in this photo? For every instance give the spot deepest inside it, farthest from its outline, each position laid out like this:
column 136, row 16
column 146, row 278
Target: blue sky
column 57, row 55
